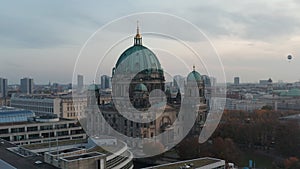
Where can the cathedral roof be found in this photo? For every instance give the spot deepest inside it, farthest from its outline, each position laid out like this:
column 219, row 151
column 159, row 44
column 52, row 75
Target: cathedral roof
column 137, row 58
column 141, row 87
column 194, row 76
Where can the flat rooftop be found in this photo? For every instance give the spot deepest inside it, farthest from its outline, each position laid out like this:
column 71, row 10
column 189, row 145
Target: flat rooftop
column 200, row 162
column 8, row 109
column 5, row 165
column 107, row 149
column 14, row 160
column 34, row 122
column 54, row 144
column 65, row 151
column 83, row 156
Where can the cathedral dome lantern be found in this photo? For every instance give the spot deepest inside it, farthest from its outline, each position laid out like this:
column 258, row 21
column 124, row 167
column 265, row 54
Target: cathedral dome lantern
column 138, row 36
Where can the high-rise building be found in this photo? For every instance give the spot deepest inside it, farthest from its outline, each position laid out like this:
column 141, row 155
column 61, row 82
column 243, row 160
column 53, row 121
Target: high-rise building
column 236, row 80
column 79, row 82
column 105, row 82
column 3, row 88
column 26, row 85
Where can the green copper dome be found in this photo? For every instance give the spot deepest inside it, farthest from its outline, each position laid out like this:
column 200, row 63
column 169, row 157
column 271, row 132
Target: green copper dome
column 194, row 76
column 137, row 58
column 141, row 87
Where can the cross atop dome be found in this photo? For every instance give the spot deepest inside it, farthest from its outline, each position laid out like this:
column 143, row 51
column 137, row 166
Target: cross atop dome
column 138, row 36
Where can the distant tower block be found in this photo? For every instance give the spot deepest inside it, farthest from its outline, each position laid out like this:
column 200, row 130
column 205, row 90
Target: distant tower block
column 236, row 80
column 26, row 86
column 3, row 88
column 105, row 82
column 79, row 82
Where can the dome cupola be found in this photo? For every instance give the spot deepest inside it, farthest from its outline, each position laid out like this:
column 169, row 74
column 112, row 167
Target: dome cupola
column 194, row 76
column 137, row 58
column 138, row 36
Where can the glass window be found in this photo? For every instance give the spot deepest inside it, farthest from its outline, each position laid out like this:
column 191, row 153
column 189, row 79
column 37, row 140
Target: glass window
column 3, row 131
column 33, row 128
column 18, row 130
column 48, row 127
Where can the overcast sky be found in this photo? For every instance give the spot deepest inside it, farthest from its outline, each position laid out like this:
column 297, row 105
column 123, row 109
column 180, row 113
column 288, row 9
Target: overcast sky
column 41, row 39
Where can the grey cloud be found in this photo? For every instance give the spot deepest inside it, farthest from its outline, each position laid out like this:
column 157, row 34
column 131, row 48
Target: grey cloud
column 263, row 25
column 45, row 24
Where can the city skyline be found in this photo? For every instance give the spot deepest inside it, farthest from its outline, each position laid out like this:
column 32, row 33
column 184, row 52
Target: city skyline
column 150, row 84
column 228, row 81
column 240, row 31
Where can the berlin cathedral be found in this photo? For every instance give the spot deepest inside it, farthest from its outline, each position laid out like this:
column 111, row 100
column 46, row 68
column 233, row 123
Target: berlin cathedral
column 137, row 73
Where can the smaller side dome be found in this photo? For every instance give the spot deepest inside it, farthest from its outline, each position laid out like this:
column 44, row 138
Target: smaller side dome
column 141, row 87
column 194, row 76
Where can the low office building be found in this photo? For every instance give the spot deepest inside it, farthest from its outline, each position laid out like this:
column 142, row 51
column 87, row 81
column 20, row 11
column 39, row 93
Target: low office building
column 72, row 106
column 88, row 155
column 75, row 158
column 64, row 106
column 39, row 104
column 84, row 161
column 22, row 127
column 12, row 159
column 244, row 105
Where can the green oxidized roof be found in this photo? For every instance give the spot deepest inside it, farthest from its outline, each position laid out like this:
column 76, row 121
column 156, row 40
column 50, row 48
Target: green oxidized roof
column 141, row 87
column 194, row 76
column 136, row 59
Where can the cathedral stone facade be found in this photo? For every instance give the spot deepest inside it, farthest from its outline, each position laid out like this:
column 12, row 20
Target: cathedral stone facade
column 137, row 79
